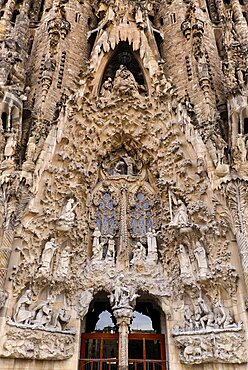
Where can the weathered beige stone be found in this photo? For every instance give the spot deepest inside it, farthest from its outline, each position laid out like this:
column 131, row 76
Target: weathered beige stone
column 123, row 147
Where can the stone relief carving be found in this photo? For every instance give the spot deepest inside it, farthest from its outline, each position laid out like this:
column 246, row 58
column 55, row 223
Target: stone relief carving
column 226, row 348
column 41, row 316
column 203, row 318
column 40, row 345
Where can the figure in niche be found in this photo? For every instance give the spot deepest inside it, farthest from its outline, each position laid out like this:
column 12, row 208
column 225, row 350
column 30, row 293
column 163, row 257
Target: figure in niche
column 152, row 246
column 241, row 144
column 42, row 313
column 124, row 82
column 181, row 215
column 47, row 255
column 185, row 264
column 125, row 165
column 120, row 168
column 201, row 258
column 139, row 254
column 110, row 256
column 22, row 313
column 64, row 262
column 67, row 217
column 31, row 148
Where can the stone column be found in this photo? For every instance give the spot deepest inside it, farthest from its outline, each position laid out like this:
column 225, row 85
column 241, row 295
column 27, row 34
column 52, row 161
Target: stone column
column 123, row 318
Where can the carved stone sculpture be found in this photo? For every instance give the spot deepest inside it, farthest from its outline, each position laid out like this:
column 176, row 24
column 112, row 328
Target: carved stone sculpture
column 40, row 345
column 67, row 217
column 10, row 145
column 64, row 261
column 181, row 215
column 139, row 254
column 201, row 258
column 225, row 347
column 42, row 314
column 186, row 270
column 122, row 297
column 110, row 256
column 22, row 313
column 47, row 255
column 152, row 246
column 84, row 302
column 60, row 319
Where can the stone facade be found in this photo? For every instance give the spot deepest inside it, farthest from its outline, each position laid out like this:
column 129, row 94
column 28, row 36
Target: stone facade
column 124, row 169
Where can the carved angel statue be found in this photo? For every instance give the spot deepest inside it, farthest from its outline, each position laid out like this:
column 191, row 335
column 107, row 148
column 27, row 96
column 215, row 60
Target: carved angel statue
column 64, row 262
column 47, row 255
column 201, row 258
column 97, row 247
column 22, row 313
column 31, row 148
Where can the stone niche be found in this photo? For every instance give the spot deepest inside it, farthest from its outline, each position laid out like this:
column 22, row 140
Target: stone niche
column 37, row 344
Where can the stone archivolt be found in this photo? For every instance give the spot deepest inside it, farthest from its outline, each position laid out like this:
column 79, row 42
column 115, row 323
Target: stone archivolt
column 127, row 190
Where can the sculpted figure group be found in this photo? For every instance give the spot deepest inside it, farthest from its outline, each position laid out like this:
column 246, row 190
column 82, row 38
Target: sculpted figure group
column 47, row 257
column 104, row 248
column 41, row 315
column 186, row 268
column 205, row 318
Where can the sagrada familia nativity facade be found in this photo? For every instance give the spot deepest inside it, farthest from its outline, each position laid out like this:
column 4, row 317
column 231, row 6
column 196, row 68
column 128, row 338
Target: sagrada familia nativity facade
column 123, row 184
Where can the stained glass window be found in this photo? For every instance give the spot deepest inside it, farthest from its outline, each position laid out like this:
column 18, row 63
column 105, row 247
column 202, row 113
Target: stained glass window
column 141, row 216
column 106, row 215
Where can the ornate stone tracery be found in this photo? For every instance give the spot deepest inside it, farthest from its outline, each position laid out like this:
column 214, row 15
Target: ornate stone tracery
column 125, row 175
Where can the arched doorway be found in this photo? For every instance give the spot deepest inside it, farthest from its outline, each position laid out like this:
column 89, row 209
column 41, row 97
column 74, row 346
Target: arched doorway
column 100, row 341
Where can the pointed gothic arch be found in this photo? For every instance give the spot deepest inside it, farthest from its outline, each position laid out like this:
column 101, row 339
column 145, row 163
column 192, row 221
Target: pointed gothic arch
column 123, row 54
